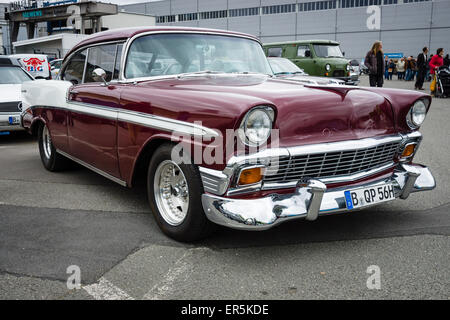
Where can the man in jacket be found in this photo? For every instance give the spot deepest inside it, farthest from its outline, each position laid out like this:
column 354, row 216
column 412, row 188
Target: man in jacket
column 422, row 59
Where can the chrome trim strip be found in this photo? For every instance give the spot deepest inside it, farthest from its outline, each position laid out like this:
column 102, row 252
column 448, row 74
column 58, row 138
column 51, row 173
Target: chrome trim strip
column 139, row 118
column 96, row 170
column 165, row 124
column 338, row 179
column 348, row 145
column 214, row 181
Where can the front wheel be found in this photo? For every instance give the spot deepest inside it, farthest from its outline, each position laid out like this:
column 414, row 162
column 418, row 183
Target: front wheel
column 174, row 193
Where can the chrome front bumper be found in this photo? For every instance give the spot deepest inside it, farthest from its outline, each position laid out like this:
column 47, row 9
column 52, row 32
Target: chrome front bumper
column 310, row 200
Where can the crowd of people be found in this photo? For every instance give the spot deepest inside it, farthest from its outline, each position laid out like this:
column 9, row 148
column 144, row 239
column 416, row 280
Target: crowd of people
column 420, row 69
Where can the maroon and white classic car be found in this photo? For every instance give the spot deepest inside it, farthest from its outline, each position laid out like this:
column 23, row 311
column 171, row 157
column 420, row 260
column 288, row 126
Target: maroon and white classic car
column 219, row 140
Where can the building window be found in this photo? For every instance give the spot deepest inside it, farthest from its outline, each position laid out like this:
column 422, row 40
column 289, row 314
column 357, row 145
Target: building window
column 188, row 16
column 213, row 14
column 317, row 5
column 244, row 12
column 361, row 3
column 165, row 19
column 410, row 1
column 282, row 8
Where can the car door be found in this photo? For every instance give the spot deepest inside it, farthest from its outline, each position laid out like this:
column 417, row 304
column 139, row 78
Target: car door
column 93, row 109
column 302, row 60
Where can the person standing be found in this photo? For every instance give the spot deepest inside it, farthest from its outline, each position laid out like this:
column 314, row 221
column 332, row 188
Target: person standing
column 413, row 69
column 422, row 59
column 391, row 67
column 408, row 69
column 447, row 60
column 400, row 69
column 386, row 67
column 435, row 63
column 375, row 63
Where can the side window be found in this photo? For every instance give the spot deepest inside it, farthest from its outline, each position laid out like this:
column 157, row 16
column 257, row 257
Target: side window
column 117, row 64
column 301, row 51
column 274, row 52
column 75, row 67
column 102, row 56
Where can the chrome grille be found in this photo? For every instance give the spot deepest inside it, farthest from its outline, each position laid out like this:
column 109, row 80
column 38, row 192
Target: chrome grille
column 9, row 106
column 339, row 73
column 331, row 164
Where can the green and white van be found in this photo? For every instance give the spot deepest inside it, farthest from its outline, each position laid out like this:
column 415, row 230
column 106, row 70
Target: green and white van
column 321, row 58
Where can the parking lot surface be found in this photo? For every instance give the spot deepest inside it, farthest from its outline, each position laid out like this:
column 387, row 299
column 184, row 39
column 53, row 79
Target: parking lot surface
column 50, row 221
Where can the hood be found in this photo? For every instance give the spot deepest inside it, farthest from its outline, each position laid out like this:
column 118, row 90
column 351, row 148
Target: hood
column 336, row 63
column 306, row 79
column 10, row 92
column 304, row 114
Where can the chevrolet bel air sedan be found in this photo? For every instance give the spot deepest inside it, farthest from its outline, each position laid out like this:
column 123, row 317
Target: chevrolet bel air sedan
column 199, row 116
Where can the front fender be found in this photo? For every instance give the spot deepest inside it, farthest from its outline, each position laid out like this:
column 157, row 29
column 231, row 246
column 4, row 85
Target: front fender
column 401, row 101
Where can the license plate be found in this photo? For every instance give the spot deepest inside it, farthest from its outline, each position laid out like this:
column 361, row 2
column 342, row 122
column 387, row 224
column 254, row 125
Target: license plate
column 368, row 196
column 14, row 120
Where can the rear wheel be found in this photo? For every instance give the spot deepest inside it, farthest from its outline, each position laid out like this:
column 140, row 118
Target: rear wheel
column 174, row 193
column 51, row 160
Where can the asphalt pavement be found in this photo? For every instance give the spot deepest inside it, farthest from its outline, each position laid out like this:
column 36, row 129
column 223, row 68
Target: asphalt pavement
column 50, row 221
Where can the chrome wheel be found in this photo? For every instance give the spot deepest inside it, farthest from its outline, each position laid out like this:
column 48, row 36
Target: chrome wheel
column 171, row 192
column 47, row 143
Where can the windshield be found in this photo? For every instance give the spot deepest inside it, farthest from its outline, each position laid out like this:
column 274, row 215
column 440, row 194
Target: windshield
column 167, row 54
column 280, row 66
column 328, row 51
column 13, row 75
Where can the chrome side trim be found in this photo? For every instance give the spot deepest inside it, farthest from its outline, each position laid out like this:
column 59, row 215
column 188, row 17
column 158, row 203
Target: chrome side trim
column 90, row 167
column 147, row 120
column 165, row 124
column 90, row 109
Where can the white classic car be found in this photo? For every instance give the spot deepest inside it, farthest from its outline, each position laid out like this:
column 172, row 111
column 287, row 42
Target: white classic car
column 11, row 79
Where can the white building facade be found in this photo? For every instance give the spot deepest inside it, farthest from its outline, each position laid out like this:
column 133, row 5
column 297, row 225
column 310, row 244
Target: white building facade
column 404, row 26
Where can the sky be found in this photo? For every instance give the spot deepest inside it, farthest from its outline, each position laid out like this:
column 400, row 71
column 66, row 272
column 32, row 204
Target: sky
column 110, row 1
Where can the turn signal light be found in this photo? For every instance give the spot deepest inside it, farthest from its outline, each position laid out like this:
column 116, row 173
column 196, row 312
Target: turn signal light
column 250, row 176
column 409, row 150
column 326, row 74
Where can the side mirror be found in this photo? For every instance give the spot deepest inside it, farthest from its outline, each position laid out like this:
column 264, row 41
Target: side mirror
column 99, row 75
column 307, row 53
column 52, row 68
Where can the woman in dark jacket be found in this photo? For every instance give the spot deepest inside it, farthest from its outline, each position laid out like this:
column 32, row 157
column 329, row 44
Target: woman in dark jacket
column 374, row 61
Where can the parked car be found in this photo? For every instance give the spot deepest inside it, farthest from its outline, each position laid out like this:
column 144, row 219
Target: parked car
column 55, row 66
column 35, row 64
column 7, row 60
column 322, row 58
column 238, row 149
column 285, row 69
column 11, row 79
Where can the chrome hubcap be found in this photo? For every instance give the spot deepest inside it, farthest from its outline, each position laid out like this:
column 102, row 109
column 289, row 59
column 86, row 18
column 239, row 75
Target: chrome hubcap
column 47, row 143
column 171, row 192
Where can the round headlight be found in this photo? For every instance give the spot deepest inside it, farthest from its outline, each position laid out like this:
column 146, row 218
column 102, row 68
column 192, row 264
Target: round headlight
column 416, row 114
column 327, row 67
column 348, row 67
column 256, row 126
